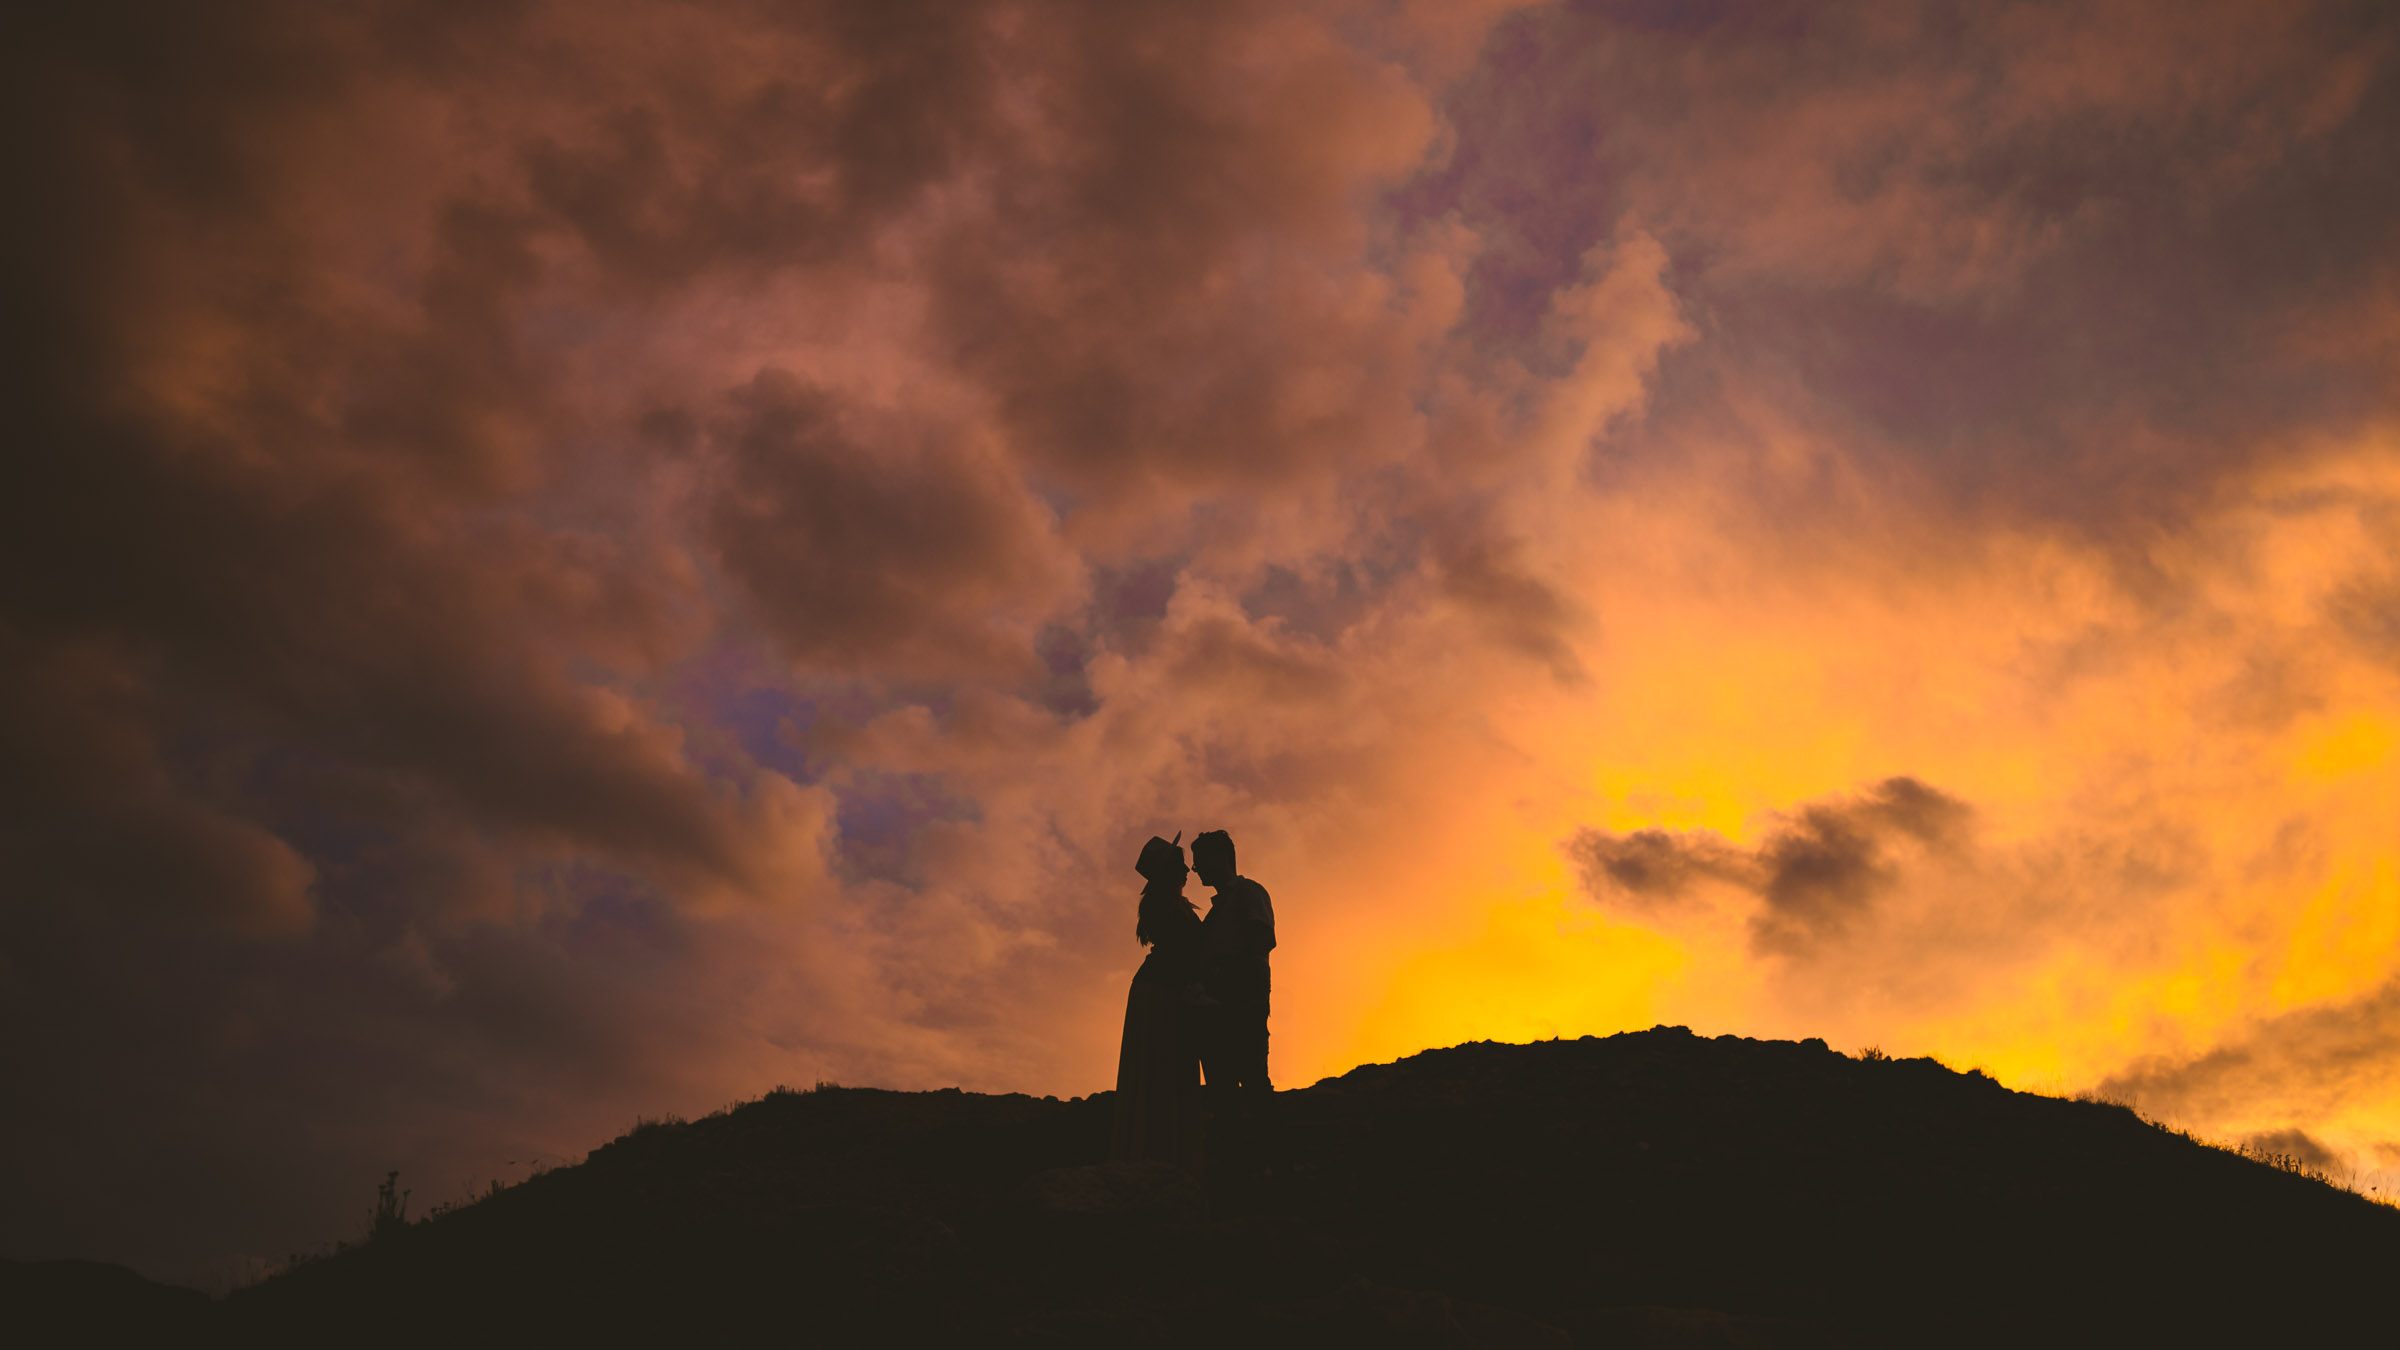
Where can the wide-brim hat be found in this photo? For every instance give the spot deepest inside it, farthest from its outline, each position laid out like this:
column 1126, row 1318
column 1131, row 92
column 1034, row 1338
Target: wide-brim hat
column 1161, row 859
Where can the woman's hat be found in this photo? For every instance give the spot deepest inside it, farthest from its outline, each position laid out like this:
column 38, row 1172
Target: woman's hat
column 1161, row 859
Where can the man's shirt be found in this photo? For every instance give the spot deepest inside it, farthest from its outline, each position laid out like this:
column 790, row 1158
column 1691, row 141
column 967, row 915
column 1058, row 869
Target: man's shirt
column 1241, row 922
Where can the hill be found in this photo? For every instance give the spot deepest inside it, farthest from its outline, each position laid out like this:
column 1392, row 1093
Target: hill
column 1646, row 1189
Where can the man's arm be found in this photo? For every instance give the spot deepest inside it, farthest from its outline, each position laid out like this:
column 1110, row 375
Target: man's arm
column 1258, row 914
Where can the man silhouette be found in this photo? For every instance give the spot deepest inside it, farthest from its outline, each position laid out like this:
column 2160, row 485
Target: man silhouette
column 1236, row 936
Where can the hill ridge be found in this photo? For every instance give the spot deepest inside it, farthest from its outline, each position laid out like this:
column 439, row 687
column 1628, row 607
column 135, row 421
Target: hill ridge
column 1647, row 1188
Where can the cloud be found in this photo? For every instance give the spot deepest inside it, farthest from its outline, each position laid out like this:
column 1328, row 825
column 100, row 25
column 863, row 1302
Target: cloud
column 2310, row 1063
column 1651, row 868
column 1816, row 873
column 2297, row 1145
column 95, row 818
column 431, row 415
column 1970, row 242
column 870, row 543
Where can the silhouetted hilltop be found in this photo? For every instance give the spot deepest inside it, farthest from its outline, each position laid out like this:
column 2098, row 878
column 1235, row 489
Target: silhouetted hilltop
column 93, row 1302
column 1648, row 1189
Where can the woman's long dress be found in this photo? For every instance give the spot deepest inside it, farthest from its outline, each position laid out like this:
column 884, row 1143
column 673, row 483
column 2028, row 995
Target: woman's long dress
column 1158, row 1065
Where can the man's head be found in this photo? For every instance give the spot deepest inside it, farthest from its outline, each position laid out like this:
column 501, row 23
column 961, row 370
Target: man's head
column 1212, row 857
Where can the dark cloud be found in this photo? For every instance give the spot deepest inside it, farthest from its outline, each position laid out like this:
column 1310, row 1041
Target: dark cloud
column 2308, row 1061
column 877, row 542
column 1653, row 868
column 259, row 493
column 652, row 221
column 1976, row 245
column 2297, row 1145
column 288, row 654
column 1833, row 860
column 1820, row 869
column 1162, row 294
column 401, row 424
column 1489, row 580
column 93, row 817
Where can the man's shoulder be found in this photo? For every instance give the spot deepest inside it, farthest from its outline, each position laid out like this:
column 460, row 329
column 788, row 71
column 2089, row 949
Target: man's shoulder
column 1253, row 892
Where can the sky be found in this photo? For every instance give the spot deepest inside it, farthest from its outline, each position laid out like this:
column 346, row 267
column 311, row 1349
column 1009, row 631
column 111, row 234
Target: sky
column 569, row 562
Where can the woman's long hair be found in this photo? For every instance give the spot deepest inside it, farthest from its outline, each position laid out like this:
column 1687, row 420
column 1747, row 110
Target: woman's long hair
column 1163, row 910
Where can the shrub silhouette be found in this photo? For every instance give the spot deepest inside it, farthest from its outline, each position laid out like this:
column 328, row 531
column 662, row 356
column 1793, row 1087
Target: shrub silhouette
column 391, row 1209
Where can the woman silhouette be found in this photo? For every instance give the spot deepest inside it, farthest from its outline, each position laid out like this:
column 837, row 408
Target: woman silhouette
column 1158, row 1066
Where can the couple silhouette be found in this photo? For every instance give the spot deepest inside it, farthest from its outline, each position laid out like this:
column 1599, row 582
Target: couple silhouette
column 1199, row 1002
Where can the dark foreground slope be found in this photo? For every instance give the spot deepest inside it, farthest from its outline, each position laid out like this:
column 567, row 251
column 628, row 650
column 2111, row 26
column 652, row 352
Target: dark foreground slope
column 1646, row 1189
